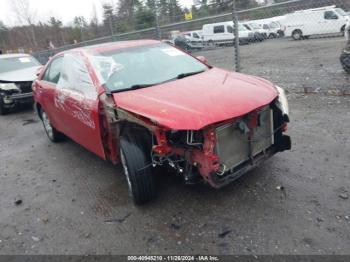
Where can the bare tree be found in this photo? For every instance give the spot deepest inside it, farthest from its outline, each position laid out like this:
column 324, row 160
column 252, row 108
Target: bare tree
column 25, row 16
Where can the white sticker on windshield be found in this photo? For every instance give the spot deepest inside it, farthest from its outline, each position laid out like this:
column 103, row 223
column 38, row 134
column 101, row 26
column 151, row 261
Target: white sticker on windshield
column 24, row 60
column 172, row 52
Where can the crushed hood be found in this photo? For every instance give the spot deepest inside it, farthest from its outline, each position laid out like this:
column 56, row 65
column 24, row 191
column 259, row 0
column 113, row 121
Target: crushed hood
column 197, row 101
column 23, row 75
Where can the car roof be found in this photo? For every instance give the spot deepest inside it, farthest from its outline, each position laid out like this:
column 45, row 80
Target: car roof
column 5, row 56
column 114, row 46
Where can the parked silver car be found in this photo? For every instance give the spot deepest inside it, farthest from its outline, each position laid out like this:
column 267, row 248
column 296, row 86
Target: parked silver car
column 17, row 73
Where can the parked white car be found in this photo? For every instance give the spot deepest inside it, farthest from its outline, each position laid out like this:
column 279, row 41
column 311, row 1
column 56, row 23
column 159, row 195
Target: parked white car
column 195, row 37
column 274, row 26
column 222, row 33
column 318, row 21
column 259, row 32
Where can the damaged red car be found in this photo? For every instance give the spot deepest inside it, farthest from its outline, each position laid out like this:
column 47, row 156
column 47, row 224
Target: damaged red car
column 148, row 104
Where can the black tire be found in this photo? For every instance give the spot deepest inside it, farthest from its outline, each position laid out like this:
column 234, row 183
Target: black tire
column 51, row 132
column 297, row 35
column 342, row 30
column 272, row 36
column 211, row 43
column 138, row 171
column 3, row 110
column 345, row 62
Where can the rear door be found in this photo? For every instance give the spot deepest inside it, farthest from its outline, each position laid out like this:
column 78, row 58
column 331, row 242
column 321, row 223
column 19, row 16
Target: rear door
column 77, row 103
column 46, row 90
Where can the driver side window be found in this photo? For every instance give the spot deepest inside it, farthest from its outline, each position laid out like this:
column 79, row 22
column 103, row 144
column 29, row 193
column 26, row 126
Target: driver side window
column 330, row 15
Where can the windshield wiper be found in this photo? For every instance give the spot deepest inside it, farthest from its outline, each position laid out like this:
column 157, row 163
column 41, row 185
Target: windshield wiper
column 133, row 87
column 183, row 75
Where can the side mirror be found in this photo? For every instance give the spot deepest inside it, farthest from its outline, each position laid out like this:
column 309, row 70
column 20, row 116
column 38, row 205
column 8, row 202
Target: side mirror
column 202, row 59
column 38, row 71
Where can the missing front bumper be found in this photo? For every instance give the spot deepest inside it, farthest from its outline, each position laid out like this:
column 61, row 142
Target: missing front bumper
column 217, row 181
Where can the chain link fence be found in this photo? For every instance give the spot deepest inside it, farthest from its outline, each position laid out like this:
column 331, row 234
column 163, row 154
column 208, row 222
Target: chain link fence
column 292, row 42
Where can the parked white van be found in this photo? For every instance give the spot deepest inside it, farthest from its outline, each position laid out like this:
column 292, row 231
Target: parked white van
column 318, row 21
column 222, row 33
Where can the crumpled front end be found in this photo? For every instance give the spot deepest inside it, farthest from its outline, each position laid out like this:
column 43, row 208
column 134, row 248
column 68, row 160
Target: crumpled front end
column 221, row 153
column 13, row 93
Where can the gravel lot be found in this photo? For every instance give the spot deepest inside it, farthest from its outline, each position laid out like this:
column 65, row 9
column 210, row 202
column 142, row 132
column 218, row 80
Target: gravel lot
column 296, row 203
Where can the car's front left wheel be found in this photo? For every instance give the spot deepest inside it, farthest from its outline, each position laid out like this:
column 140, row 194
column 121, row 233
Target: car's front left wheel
column 345, row 62
column 54, row 135
column 138, row 171
column 3, row 110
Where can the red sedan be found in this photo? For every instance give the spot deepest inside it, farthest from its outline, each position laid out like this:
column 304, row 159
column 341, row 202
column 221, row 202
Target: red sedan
column 149, row 104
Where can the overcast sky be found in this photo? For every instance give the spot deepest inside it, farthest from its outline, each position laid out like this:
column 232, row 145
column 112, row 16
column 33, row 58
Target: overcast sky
column 65, row 10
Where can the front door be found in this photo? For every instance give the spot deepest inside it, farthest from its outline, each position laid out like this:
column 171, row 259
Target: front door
column 332, row 22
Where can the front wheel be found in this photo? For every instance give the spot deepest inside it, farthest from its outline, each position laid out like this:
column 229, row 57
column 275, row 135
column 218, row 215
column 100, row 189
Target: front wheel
column 3, row 110
column 138, row 171
column 345, row 62
column 211, row 43
column 51, row 132
column 272, row 36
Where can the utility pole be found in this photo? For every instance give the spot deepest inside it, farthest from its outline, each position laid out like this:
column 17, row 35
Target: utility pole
column 236, row 40
column 111, row 24
column 156, row 14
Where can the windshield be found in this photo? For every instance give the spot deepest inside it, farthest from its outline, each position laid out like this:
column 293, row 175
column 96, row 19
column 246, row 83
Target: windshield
column 17, row 63
column 143, row 66
column 242, row 28
column 247, row 26
column 341, row 12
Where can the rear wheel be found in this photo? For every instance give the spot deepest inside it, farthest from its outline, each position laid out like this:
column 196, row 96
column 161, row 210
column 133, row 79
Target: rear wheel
column 297, row 35
column 138, row 171
column 211, row 43
column 51, row 132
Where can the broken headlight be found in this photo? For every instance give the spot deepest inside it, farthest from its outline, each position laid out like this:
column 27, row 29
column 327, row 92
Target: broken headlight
column 282, row 100
column 9, row 88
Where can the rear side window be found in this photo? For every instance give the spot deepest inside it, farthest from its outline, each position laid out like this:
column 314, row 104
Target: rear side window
column 53, row 72
column 219, row 29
